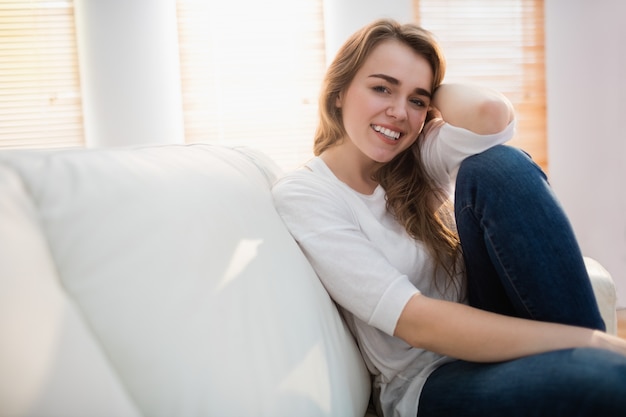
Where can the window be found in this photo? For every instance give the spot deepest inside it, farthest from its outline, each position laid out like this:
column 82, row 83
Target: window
column 40, row 103
column 252, row 78
column 499, row 44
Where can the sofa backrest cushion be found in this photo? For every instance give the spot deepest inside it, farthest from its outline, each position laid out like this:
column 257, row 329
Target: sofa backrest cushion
column 50, row 364
column 182, row 271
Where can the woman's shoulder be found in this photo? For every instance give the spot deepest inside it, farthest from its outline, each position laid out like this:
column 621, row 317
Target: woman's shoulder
column 309, row 199
column 311, row 178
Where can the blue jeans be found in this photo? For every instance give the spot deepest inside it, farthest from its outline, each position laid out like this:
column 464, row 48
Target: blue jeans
column 522, row 259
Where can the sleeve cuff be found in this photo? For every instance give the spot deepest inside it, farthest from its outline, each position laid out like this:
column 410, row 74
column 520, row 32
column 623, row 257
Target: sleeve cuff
column 391, row 305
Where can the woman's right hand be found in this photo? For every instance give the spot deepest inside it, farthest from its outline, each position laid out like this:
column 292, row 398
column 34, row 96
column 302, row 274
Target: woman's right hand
column 607, row 341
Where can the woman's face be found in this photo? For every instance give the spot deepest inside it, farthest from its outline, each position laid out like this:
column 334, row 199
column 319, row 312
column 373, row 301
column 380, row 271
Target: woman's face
column 385, row 105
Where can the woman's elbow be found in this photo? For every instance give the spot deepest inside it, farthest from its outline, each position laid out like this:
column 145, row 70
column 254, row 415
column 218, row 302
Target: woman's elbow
column 493, row 116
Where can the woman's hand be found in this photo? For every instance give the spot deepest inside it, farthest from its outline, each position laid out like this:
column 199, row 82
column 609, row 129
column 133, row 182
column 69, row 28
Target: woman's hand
column 603, row 340
column 481, row 110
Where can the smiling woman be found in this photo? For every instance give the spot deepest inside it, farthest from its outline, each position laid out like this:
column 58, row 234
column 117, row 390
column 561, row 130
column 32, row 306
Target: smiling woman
column 422, row 293
column 383, row 110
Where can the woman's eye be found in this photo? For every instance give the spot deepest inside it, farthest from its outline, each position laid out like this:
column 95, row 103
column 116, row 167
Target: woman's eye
column 381, row 89
column 418, row 102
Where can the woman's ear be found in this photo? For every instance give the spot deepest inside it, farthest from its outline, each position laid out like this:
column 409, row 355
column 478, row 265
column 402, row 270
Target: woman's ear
column 434, row 112
column 338, row 101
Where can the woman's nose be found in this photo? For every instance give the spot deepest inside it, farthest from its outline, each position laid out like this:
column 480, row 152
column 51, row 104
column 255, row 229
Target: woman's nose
column 397, row 109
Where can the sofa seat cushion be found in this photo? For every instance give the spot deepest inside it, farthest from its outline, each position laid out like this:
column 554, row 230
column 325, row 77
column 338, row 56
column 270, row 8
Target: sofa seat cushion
column 189, row 283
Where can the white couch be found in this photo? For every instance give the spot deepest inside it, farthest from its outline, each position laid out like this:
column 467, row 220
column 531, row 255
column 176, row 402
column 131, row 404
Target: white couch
column 159, row 281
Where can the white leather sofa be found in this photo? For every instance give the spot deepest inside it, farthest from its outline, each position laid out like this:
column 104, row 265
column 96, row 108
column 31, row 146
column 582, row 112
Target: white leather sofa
column 159, row 281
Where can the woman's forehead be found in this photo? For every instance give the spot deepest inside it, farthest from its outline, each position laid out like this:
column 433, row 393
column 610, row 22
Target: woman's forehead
column 395, row 59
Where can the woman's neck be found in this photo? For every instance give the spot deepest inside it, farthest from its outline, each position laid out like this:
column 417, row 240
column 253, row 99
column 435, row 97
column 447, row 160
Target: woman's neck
column 351, row 169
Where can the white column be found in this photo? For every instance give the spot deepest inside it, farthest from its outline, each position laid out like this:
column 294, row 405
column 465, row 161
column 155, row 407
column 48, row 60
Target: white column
column 342, row 18
column 130, row 73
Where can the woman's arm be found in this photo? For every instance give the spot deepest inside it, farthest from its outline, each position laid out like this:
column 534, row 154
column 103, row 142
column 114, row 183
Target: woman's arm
column 471, row 334
column 474, row 108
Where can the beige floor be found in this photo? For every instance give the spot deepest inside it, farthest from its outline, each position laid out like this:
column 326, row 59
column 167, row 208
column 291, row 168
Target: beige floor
column 621, row 323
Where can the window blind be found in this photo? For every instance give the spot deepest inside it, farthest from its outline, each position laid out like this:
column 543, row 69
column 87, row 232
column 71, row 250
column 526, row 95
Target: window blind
column 499, row 44
column 40, row 102
column 251, row 73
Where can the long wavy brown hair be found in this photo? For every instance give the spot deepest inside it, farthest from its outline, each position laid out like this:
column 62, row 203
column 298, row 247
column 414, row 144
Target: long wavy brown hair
column 412, row 196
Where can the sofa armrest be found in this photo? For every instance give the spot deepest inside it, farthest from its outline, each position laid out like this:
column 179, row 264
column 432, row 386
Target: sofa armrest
column 604, row 290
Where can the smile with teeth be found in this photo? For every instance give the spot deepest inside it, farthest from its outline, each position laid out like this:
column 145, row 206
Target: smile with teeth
column 391, row 134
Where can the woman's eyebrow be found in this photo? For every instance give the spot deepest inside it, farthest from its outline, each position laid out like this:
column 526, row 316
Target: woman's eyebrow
column 394, row 81
column 388, row 78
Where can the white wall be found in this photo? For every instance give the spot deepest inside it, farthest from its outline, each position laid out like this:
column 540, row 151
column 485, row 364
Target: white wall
column 586, row 87
column 130, row 73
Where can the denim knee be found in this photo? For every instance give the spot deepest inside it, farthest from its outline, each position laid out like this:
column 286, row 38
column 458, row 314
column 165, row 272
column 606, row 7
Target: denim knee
column 500, row 162
column 495, row 173
column 598, row 373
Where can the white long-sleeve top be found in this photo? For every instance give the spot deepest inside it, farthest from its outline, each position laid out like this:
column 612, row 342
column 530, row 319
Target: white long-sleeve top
column 369, row 264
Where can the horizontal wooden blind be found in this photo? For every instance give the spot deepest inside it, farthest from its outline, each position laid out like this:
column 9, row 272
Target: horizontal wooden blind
column 499, row 44
column 40, row 102
column 251, row 73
